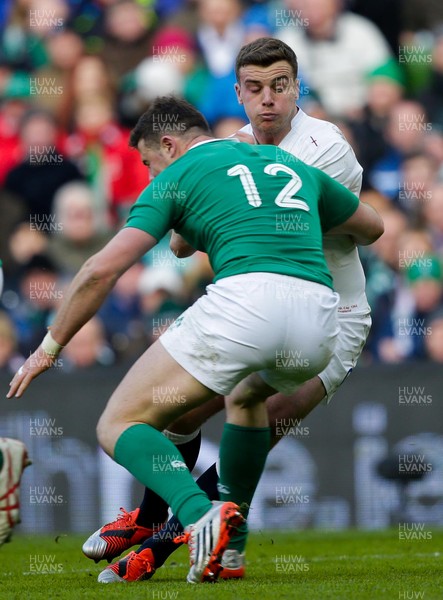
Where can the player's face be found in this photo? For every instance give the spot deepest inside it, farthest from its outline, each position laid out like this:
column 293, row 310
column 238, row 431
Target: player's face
column 156, row 159
column 269, row 95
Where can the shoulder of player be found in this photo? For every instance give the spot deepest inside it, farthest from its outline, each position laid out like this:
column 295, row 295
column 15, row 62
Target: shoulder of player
column 325, row 131
column 317, row 138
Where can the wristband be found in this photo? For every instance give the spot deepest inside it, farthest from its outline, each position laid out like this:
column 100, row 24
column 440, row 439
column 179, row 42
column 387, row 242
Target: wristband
column 50, row 346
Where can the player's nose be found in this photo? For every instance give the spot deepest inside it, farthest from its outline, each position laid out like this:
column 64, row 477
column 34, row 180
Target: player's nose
column 267, row 97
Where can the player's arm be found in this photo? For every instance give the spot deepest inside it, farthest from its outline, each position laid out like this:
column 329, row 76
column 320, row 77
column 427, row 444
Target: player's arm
column 180, row 247
column 85, row 295
column 342, row 213
column 365, row 225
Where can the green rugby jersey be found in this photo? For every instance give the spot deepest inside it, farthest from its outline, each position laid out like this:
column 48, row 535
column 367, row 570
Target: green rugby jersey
column 251, row 208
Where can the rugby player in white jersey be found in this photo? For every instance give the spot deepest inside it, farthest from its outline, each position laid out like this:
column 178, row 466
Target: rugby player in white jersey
column 13, row 460
column 268, row 88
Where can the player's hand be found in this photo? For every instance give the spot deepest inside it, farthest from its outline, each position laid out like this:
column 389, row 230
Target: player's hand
column 37, row 363
column 246, row 138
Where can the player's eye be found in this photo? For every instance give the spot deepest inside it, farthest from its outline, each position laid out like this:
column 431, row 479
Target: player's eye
column 281, row 86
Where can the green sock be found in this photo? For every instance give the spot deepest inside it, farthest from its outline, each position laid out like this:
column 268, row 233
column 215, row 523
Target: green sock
column 243, row 453
column 158, row 465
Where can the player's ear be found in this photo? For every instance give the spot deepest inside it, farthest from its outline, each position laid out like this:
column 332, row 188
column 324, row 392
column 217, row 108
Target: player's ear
column 237, row 91
column 168, row 144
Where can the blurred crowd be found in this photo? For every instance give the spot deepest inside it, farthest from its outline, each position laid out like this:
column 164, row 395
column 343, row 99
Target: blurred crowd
column 75, row 75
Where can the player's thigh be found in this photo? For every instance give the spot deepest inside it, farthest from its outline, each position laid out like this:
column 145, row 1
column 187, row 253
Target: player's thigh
column 354, row 330
column 156, row 390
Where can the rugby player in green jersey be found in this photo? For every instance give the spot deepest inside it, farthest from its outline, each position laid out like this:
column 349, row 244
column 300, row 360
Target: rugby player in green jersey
column 272, row 294
column 268, row 88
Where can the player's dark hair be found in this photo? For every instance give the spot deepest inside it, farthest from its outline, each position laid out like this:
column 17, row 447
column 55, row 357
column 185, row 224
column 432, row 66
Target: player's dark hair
column 264, row 52
column 167, row 114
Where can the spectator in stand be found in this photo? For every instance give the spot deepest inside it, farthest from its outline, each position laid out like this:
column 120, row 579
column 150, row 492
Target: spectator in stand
column 175, row 51
column 82, row 231
column 417, row 176
column 24, row 242
column 426, row 285
column 432, row 96
column 64, row 49
column 161, row 297
column 88, row 347
column 385, row 90
column 46, row 17
column 42, row 169
column 433, row 214
column 100, row 145
column 12, row 211
column 21, row 48
column 91, row 77
column 400, row 319
column 220, row 34
column 329, row 45
column 127, row 37
column 153, row 77
column 12, row 111
column 434, row 341
column 223, row 27
column 39, row 293
column 405, row 135
column 383, row 282
column 122, row 317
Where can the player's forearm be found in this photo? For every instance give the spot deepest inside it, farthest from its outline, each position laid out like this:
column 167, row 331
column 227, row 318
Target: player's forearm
column 85, row 295
column 365, row 226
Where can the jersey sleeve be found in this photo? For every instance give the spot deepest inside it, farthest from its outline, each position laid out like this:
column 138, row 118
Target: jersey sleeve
column 154, row 212
column 336, row 203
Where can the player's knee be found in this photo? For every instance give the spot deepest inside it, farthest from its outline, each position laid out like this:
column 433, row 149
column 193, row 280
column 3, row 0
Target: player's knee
column 105, row 435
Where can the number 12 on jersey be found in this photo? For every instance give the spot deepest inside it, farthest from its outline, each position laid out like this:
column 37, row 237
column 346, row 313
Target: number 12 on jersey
column 285, row 197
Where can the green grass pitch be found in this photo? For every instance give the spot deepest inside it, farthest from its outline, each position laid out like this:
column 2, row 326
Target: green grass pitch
column 307, row 565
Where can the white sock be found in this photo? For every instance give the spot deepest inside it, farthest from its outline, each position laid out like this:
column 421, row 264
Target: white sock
column 180, row 438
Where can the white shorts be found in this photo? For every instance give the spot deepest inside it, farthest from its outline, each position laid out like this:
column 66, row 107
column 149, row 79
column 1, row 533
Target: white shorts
column 282, row 326
column 354, row 330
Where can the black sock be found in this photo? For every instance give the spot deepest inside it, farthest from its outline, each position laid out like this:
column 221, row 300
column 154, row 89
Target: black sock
column 153, row 509
column 162, row 543
column 208, row 482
